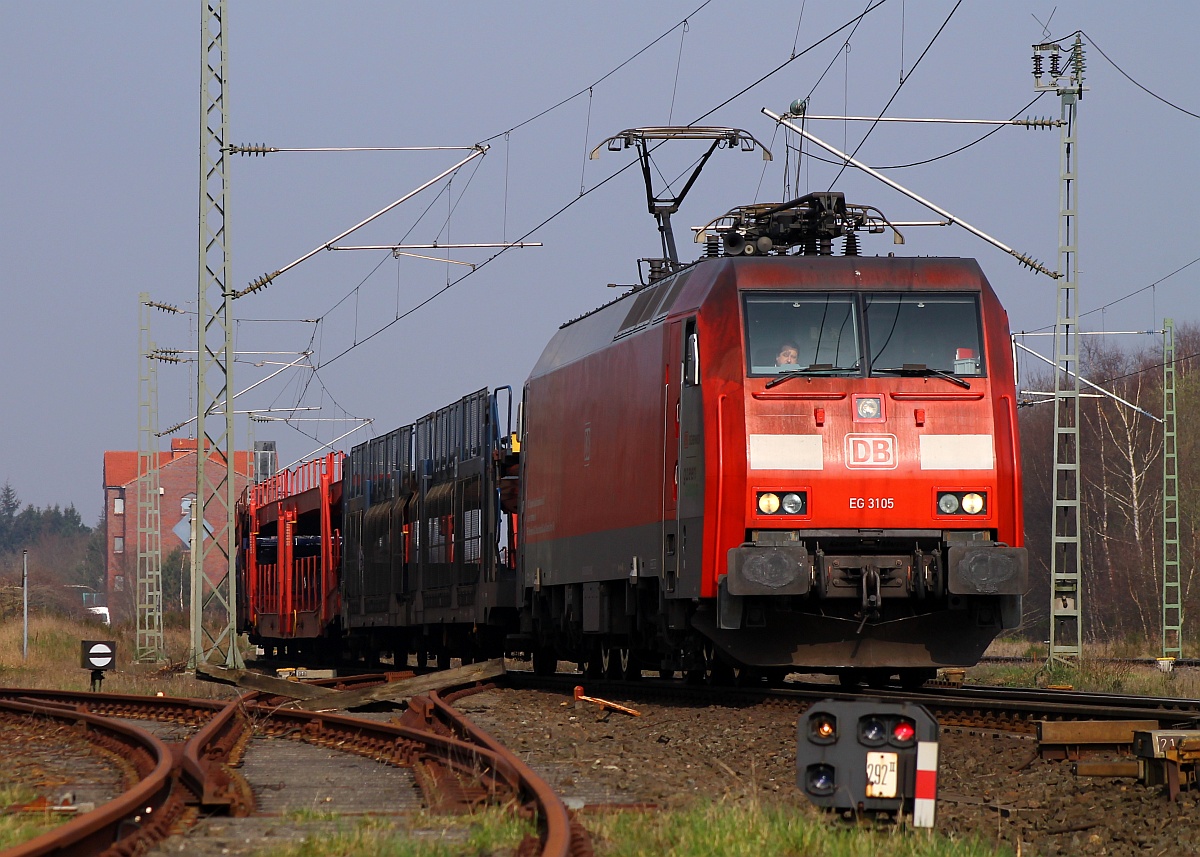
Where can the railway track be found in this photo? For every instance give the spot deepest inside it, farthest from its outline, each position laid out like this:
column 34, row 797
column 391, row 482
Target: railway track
column 456, row 767
column 1015, row 710
column 996, row 780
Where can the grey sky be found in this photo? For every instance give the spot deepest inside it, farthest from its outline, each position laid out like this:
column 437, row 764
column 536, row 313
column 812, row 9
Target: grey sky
column 99, row 192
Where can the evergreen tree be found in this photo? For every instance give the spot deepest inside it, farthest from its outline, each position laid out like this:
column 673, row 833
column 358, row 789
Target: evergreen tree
column 9, row 506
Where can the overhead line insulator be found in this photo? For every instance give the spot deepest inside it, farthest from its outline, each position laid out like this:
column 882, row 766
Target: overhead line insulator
column 250, row 150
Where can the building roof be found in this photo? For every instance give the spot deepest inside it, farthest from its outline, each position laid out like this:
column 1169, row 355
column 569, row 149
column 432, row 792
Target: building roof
column 121, row 466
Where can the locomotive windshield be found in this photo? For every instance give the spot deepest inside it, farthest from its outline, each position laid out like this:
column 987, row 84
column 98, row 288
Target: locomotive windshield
column 824, row 333
column 786, row 332
column 938, row 332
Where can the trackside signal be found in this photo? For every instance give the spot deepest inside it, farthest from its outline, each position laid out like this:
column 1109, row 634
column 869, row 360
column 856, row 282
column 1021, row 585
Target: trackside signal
column 869, row 756
column 98, row 656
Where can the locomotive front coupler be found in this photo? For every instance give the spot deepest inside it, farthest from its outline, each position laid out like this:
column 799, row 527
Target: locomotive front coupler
column 869, row 578
column 870, row 586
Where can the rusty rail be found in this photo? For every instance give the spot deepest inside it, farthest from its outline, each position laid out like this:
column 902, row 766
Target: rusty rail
column 560, row 836
column 207, row 761
column 457, row 764
column 150, row 807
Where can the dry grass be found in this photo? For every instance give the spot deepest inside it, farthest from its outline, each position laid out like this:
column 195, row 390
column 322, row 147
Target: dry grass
column 54, row 660
column 1104, row 668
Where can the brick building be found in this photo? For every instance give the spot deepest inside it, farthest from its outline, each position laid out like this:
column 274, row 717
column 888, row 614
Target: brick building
column 177, row 490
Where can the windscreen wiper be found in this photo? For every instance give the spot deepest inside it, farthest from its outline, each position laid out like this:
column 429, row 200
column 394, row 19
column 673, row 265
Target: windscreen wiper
column 920, row 370
column 816, row 369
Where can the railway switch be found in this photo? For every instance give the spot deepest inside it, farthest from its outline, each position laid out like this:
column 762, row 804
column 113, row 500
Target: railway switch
column 869, row 756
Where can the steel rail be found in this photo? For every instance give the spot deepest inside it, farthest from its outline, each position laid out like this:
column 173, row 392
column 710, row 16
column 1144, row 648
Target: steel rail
column 403, row 746
column 207, row 756
column 151, row 806
column 431, row 733
column 553, row 819
column 448, row 736
column 165, row 709
column 973, row 705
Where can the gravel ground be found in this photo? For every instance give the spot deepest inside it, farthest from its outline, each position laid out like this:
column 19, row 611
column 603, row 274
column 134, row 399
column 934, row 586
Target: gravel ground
column 56, row 764
column 991, row 785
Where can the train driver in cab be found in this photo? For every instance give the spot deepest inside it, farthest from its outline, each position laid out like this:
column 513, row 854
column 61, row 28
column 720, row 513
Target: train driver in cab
column 789, row 355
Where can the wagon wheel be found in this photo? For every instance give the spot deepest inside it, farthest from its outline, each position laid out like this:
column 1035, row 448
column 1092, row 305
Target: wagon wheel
column 592, row 664
column 610, row 662
column 631, row 667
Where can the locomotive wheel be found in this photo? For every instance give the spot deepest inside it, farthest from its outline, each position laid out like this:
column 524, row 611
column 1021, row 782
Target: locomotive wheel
column 746, row 676
column 877, row 678
column 913, row 679
column 711, row 671
column 545, row 661
column 700, row 673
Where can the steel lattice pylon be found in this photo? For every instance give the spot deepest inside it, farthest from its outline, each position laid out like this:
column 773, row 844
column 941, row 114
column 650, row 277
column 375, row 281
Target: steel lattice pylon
column 149, row 641
column 1172, row 599
column 214, row 601
column 1066, row 577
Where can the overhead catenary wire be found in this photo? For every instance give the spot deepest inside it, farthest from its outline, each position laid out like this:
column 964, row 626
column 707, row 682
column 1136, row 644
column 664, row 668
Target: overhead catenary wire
column 605, row 76
column 895, row 93
column 571, row 203
column 1134, row 293
column 1126, row 75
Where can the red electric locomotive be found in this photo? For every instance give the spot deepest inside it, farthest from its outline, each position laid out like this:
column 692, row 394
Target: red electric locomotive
column 779, row 462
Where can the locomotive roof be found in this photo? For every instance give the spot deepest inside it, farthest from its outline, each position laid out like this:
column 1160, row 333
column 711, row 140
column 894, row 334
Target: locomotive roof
column 686, row 290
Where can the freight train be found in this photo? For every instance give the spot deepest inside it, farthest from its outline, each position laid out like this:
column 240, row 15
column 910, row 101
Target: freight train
column 773, row 459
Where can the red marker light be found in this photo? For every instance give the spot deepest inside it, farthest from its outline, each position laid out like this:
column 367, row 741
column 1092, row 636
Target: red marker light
column 903, row 731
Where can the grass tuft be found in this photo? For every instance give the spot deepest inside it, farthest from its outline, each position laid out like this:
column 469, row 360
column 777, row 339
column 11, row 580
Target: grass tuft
column 1099, row 671
column 483, row 834
column 21, row 827
column 750, row 830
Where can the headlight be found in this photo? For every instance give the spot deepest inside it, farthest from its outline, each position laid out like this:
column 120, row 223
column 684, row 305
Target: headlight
column 868, row 408
column 768, row 503
column 972, row 504
column 781, row 502
column 947, row 504
column 962, row 503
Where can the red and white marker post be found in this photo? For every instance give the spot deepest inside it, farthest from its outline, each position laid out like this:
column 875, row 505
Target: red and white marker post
column 925, row 792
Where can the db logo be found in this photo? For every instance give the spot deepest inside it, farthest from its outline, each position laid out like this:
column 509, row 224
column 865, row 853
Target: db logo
column 876, row 451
